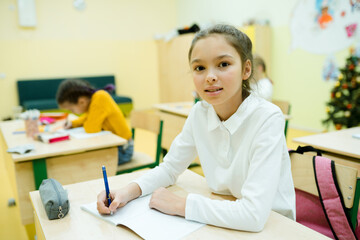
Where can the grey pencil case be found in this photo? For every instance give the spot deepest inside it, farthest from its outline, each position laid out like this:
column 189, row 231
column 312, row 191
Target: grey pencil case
column 54, row 198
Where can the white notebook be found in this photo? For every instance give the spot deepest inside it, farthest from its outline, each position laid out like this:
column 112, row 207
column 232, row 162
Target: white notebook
column 146, row 222
column 79, row 133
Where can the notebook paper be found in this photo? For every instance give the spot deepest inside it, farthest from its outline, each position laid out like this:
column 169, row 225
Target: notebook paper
column 147, row 223
column 79, row 133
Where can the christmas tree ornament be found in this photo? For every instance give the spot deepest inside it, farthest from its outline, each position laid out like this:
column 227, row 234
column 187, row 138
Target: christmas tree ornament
column 338, row 126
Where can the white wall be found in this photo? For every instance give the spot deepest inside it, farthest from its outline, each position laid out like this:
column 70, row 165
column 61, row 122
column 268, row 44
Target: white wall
column 235, row 12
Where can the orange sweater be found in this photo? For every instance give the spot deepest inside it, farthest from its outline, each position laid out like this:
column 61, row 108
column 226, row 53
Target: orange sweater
column 103, row 114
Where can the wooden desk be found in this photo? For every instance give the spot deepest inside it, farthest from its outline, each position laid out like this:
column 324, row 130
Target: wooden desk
column 174, row 116
column 81, row 225
column 70, row 161
column 339, row 146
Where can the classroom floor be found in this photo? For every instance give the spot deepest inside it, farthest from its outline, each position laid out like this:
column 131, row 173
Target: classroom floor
column 10, row 225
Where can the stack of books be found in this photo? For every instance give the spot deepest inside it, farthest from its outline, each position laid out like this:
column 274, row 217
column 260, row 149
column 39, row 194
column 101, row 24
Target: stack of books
column 52, row 137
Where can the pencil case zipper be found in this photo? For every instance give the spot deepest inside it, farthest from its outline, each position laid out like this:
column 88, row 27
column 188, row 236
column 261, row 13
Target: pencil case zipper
column 60, row 215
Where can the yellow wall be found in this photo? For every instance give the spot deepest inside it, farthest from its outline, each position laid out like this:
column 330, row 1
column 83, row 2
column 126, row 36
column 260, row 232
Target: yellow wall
column 297, row 76
column 132, row 62
column 109, row 37
column 116, row 37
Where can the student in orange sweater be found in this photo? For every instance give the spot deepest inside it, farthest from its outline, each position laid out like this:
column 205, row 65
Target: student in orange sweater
column 99, row 112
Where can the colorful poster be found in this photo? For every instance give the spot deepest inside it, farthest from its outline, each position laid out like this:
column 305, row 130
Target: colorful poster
column 325, row 26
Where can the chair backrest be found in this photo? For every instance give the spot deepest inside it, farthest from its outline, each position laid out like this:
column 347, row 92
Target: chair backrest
column 283, row 105
column 146, row 127
column 302, row 167
column 304, row 178
column 145, row 120
column 148, row 121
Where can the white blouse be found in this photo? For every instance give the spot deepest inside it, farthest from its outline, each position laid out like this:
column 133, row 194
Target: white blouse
column 245, row 156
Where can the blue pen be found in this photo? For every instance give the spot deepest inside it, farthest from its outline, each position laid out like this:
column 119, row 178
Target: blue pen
column 106, row 186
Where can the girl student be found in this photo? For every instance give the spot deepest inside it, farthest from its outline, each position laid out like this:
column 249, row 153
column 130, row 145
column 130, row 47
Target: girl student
column 261, row 85
column 238, row 137
column 99, row 112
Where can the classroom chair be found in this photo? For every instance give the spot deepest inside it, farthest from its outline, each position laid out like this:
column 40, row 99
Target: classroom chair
column 310, row 208
column 285, row 108
column 148, row 124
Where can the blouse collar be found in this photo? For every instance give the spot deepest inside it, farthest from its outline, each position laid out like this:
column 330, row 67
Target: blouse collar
column 245, row 109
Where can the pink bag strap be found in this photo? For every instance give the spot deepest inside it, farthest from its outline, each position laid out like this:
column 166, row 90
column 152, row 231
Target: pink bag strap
column 331, row 199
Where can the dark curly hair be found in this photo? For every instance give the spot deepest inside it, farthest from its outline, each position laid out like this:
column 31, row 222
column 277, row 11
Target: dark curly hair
column 71, row 89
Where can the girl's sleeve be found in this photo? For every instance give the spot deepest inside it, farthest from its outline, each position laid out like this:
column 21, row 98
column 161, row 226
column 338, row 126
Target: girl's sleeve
column 251, row 212
column 79, row 121
column 181, row 153
column 97, row 113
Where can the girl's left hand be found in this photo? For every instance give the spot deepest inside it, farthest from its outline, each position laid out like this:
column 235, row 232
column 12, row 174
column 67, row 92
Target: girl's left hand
column 168, row 202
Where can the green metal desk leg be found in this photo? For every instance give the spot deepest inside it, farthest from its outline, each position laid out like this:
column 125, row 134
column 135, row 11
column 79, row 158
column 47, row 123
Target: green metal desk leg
column 40, row 173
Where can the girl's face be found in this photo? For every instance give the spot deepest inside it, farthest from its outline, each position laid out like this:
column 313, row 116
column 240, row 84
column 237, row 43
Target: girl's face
column 78, row 108
column 218, row 73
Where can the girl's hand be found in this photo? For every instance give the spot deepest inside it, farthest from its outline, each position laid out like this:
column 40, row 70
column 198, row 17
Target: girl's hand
column 68, row 125
column 119, row 198
column 168, row 202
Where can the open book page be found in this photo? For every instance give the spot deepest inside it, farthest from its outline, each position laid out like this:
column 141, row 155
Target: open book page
column 79, row 133
column 147, row 223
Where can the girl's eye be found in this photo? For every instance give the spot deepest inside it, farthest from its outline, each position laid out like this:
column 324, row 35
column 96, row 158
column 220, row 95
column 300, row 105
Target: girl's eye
column 199, row 68
column 223, row 64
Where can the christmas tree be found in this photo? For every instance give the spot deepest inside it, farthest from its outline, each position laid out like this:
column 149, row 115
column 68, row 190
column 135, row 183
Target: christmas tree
column 343, row 109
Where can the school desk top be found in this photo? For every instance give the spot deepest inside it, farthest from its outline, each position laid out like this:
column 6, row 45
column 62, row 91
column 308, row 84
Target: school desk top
column 69, row 161
column 339, row 142
column 183, row 108
column 179, row 108
column 44, row 150
column 79, row 224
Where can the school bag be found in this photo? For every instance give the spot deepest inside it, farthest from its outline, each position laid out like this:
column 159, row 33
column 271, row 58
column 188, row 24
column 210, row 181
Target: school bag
column 325, row 213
